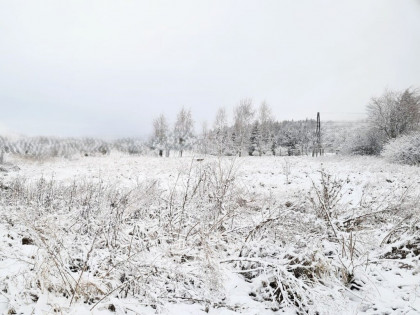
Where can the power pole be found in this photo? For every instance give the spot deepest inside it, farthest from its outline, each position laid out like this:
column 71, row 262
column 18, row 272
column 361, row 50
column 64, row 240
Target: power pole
column 317, row 148
column 2, row 149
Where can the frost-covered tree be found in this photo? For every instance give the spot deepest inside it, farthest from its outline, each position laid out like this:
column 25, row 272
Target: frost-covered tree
column 265, row 118
column 220, row 134
column 409, row 103
column 183, row 130
column 256, row 140
column 243, row 115
column 160, row 134
column 395, row 113
column 305, row 136
column 204, row 142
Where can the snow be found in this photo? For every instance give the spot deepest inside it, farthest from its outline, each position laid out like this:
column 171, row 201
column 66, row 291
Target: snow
column 267, row 223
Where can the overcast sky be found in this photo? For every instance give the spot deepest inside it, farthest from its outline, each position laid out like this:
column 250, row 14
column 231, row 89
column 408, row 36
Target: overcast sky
column 107, row 68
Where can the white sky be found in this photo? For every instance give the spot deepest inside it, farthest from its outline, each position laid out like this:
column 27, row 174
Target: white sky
column 107, row 68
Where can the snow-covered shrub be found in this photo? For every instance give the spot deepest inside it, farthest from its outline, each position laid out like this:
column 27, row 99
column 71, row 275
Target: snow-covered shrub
column 404, row 150
column 363, row 142
column 282, row 278
column 96, row 241
column 130, row 146
column 285, row 260
column 326, row 196
column 288, row 280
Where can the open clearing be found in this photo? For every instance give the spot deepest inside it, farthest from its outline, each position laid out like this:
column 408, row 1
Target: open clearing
column 251, row 235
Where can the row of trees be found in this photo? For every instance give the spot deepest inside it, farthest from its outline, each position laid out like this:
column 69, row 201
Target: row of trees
column 255, row 131
column 252, row 132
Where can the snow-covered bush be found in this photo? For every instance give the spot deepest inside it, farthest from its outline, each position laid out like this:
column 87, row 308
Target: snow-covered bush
column 404, row 150
column 325, row 197
column 363, row 142
column 96, row 241
column 281, row 276
column 130, row 146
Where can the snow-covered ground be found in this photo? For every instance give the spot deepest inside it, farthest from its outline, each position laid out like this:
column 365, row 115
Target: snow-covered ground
column 251, row 235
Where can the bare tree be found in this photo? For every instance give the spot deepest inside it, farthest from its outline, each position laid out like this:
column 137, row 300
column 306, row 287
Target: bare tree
column 220, row 131
column 265, row 118
column 265, row 115
column 395, row 113
column 243, row 115
column 205, row 138
column 160, row 136
column 183, row 129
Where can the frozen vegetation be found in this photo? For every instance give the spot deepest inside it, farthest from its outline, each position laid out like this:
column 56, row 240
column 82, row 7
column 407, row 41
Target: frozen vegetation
column 127, row 234
column 250, row 223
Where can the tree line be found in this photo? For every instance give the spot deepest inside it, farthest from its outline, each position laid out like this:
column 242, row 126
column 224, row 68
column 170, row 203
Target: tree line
column 253, row 131
column 391, row 129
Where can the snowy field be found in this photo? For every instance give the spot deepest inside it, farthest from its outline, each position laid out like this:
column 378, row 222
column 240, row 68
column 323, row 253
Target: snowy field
column 194, row 235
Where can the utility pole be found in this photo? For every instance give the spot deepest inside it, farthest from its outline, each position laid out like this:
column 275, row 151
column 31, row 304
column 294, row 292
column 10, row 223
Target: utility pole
column 2, row 149
column 317, row 148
